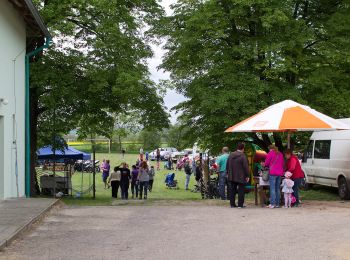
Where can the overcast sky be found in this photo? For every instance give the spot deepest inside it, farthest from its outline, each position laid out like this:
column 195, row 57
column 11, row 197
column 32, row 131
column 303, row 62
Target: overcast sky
column 171, row 99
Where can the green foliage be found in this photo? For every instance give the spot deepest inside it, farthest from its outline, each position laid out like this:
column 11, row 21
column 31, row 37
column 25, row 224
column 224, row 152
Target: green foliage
column 151, row 139
column 125, row 124
column 96, row 67
column 177, row 136
column 232, row 58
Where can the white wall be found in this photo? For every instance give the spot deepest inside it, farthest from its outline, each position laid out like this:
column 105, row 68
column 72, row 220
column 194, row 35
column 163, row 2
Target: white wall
column 1, row 157
column 12, row 88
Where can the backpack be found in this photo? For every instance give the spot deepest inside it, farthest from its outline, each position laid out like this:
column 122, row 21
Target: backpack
column 187, row 168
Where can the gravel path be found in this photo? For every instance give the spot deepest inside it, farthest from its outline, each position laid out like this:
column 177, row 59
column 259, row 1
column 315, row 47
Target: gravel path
column 315, row 231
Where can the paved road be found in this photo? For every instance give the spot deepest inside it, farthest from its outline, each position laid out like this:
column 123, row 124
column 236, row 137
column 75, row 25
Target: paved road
column 17, row 214
column 315, row 231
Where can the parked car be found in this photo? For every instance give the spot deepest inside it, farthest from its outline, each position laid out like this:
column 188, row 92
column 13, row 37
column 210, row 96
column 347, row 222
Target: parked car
column 327, row 160
column 164, row 153
column 174, row 153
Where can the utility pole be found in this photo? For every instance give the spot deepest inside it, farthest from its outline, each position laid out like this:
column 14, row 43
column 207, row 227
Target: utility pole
column 94, row 169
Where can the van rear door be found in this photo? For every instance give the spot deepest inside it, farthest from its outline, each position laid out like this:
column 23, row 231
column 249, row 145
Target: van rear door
column 308, row 162
column 321, row 163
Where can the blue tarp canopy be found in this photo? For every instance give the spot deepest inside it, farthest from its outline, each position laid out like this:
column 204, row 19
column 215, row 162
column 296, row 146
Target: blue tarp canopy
column 46, row 152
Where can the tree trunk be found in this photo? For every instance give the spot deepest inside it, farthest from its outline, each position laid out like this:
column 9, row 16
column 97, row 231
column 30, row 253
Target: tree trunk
column 233, row 32
column 267, row 140
column 264, row 143
column 120, row 143
column 178, row 139
column 278, row 141
column 292, row 143
column 33, row 120
column 34, row 114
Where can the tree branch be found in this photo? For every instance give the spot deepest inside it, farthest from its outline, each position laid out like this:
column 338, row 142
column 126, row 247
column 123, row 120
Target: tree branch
column 83, row 25
column 296, row 8
column 311, row 44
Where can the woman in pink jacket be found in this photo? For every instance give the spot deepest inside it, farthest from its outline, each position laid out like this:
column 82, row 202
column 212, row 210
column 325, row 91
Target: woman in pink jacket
column 275, row 162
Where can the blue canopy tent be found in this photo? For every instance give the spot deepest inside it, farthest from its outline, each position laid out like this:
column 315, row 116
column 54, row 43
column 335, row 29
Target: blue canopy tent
column 52, row 183
column 69, row 152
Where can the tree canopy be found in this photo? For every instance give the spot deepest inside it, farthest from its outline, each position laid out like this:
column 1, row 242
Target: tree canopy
column 232, row 58
column 95, row 69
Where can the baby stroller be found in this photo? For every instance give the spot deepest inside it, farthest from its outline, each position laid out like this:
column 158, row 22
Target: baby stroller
column 170, row 181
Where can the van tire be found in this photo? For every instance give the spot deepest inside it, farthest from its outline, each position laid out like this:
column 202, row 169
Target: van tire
column 343, row 189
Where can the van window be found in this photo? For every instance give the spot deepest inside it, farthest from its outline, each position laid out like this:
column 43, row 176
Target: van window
column 310, row 149
column 322, row 149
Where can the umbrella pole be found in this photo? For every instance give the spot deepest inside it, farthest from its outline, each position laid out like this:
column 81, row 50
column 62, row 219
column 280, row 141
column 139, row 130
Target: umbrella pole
column 288, row 138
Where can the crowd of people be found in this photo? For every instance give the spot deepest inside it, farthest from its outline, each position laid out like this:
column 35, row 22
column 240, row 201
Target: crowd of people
column 234, row 170
column 190, row 166
column 284, row 174
column 139, row 179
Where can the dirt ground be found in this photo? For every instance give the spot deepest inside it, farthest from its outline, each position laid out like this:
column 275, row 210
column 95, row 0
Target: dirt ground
column 318, row 230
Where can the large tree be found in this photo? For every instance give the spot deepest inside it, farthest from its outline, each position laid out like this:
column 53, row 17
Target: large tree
column 177, row 136
column 232, row 58
column 95, row 68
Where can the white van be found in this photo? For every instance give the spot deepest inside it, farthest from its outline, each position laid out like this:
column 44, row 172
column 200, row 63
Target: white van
column 327, row 160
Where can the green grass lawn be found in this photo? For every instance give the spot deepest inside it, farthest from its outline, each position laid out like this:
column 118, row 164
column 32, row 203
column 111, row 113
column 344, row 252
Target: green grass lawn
column 160, row 192
column 318, row 192
column 103, row 196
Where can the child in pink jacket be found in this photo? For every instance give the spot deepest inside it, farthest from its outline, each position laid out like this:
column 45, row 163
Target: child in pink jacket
column 287, row 189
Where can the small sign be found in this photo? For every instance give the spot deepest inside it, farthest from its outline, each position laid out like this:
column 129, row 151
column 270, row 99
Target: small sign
column 260, row 123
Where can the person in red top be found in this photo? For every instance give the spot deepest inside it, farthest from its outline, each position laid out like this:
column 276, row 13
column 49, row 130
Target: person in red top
column 293, row 165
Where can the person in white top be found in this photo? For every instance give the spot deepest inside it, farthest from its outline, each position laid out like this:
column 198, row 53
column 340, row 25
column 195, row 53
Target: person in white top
column 114, row 181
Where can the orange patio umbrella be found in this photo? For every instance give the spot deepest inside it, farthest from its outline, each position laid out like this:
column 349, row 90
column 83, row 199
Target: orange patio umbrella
column 288, row 116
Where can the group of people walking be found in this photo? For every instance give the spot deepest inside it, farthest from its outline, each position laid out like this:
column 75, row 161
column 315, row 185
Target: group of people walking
column 139, row 179
column 234, row 169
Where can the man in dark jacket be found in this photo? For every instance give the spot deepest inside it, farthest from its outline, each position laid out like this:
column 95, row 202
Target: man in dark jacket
column 237, row 175
column 124, row 180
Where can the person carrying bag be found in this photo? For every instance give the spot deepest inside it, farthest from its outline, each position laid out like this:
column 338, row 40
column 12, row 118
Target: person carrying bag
column 275, row 162
column 266, row 171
